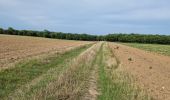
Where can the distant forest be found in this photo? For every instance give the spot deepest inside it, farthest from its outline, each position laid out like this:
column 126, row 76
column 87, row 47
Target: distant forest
column 116, row 37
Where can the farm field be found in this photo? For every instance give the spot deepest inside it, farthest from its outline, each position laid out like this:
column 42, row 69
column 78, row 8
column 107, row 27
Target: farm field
column 150, row 70
column 84, row 50
column 158, row 48
column 15, row 48
column 81, row 71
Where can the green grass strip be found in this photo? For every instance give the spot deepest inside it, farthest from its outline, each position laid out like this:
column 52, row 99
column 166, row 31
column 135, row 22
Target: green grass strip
column 158, row 48
column 105, row 83
column 12, row 79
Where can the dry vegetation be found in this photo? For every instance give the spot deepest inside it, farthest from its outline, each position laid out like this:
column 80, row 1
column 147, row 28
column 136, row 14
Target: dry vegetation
column 72, row 83
column 81, row 71
column 27, row 73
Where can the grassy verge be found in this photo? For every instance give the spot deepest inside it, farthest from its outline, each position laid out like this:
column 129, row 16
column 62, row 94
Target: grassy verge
column 14, row 78
column 114, row 83
column 158, row 48
column 69, row 83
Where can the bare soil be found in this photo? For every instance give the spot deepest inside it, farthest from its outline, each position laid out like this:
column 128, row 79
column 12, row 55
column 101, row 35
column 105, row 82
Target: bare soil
column 15, row 48
column 151, row 71
column 92, row 88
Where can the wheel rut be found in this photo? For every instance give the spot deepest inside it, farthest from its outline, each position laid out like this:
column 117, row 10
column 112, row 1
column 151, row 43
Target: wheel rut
column 92, row 89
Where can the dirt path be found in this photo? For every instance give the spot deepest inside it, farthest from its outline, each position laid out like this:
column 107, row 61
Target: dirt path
column 92, row 89
column 152, row 71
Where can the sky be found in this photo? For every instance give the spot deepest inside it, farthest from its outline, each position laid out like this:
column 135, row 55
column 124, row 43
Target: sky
column 87, row 16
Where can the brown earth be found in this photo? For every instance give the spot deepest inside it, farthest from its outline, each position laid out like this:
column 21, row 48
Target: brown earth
column 92, row 88
column 15, row 48
column 151, row 71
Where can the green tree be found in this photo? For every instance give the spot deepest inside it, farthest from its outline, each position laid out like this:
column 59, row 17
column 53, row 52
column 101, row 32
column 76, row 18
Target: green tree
column 11, row 31
column 47, row 34
column 1, row 31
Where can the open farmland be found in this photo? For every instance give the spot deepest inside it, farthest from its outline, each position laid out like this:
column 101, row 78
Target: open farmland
column 77, row 70
column 151, row 70
column 157, row 48
column 84, row 50
column 15, row 48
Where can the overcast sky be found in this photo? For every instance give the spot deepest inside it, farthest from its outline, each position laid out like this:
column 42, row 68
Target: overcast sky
column 87, row 16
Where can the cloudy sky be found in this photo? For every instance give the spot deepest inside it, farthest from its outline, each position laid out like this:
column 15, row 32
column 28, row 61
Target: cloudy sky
column 87, row 16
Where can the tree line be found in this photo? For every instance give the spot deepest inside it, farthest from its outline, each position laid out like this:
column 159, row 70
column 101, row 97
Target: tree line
column 116, row 37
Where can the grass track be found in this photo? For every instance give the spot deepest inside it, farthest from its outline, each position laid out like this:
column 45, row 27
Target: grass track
column 70, row 83
column 12, row 79
column 65, row 77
